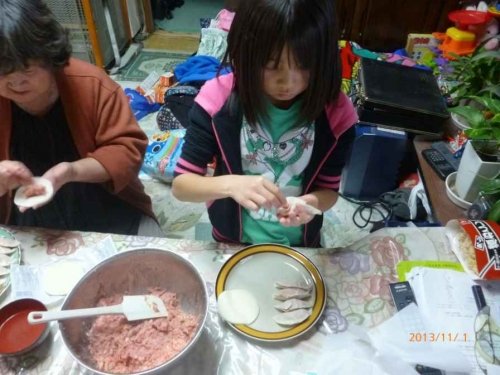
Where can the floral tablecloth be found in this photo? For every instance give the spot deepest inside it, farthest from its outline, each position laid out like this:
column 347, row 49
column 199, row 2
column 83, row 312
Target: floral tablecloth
column 357, row 279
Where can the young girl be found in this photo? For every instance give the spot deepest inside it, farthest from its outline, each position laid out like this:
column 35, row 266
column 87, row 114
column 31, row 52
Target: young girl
column 277, row 127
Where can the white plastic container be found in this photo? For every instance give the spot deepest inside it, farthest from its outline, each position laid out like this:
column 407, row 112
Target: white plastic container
column 472, row 172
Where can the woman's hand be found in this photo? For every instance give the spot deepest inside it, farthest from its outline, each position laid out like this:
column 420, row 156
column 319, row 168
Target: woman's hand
column 12, row 175
column 60, row 174
column 254, row 192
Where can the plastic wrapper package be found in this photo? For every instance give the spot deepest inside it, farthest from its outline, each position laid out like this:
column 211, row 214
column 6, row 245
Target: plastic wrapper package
column 476, row 244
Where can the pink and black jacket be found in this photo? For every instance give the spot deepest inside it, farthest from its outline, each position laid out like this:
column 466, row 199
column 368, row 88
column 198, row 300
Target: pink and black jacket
column 214, row 131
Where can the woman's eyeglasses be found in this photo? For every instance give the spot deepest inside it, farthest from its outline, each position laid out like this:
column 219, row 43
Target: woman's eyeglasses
column 487, row 345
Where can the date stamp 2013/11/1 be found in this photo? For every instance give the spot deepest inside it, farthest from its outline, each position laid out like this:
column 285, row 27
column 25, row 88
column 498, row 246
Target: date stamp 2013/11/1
column 439, row 337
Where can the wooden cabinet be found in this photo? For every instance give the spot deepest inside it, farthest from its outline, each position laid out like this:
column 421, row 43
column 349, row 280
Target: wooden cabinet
column 383, row 25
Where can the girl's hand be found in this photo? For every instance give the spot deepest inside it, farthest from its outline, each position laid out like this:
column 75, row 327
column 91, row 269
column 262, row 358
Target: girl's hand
column 296, row 212
column 12, row 175
column 254, row 192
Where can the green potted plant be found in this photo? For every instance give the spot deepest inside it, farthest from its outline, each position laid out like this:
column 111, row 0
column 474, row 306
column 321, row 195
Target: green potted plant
column 481, row 156
column 475, row 74
column 483, row 118
column 476, row 94
column 490, row 196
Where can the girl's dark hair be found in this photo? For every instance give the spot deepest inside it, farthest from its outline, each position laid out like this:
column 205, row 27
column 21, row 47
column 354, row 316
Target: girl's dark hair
column 30, row 32
column 258, row 34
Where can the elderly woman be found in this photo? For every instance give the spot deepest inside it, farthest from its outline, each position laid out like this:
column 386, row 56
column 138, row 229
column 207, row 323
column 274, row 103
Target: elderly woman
column 65, row 120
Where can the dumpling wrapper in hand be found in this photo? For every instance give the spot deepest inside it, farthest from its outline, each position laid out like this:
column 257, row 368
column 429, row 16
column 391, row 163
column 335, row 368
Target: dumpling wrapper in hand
column 238, row 306
column 23, row 198
column 311, row 210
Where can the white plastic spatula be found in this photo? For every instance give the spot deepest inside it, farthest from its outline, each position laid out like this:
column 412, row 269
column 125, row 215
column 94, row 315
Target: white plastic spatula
column 133, row 307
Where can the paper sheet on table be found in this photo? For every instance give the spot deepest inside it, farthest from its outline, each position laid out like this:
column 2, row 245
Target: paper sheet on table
column 49, row 282
column 395, row 338
column 448, row 309
column 405, row 266
column 493, row 370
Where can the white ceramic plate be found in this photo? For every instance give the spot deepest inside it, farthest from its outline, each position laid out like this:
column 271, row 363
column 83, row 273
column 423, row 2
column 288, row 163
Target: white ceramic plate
column 459, row 122
column 256, row 269
column 15, row 258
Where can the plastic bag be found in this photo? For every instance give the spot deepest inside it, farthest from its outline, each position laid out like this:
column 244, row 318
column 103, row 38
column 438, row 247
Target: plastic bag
column 162, row 153
column 476, row 244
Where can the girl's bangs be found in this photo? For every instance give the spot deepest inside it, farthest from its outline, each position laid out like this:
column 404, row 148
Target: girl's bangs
column 303, row 52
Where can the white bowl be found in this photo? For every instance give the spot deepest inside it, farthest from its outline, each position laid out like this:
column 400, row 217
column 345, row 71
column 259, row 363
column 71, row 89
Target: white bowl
column 460, row 122
column 452, row 193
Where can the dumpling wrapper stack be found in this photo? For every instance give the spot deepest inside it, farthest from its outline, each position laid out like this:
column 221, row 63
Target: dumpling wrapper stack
column 60, row 277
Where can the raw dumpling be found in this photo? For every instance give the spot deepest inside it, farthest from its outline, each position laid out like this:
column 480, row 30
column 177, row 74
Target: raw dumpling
column 7, row 250
column 289, row 293
column 238, row 306
column 4, row 260
column 38, row 193
column 293, row 304
column 297, row 285
column 291, row 318
column 9, row 242
column 4, row 271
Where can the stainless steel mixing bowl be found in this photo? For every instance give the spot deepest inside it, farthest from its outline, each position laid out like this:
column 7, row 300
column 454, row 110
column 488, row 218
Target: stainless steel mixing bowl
column 133, row 272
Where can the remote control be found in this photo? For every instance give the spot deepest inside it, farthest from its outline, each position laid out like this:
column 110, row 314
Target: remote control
column 437, row 161
column 402, row 295
column 445, row 150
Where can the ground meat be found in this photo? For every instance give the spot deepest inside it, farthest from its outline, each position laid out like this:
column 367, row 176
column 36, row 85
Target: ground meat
column 119, row 346
column 34, row 190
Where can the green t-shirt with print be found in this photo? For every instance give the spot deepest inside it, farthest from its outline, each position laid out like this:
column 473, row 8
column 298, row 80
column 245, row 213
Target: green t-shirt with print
column 279, row 150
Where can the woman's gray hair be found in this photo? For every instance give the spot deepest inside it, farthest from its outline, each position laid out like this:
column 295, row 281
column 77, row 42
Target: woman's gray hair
column 29, row 32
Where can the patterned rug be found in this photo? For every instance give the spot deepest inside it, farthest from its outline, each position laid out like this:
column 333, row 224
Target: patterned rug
column 151, row 60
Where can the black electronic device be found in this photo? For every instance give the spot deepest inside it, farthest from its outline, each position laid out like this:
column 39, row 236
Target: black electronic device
column 438, row 162
column 402, row 295
column 400, row 97
column 445, row 150
column 362, row 177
